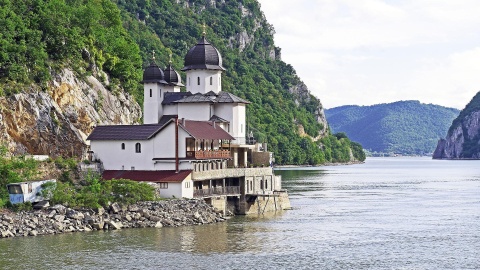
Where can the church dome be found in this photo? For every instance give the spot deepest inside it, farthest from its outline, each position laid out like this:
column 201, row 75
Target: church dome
column 203, row 56
column 153, row 74
column 172, row 77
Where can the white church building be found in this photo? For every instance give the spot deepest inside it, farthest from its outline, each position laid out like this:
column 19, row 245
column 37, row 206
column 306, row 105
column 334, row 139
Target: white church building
column 192, row 143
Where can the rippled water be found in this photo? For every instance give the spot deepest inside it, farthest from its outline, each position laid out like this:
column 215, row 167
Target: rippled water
column 389, row 213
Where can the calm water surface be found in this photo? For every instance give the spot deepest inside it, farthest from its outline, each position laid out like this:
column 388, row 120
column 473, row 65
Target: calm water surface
column 389, row 213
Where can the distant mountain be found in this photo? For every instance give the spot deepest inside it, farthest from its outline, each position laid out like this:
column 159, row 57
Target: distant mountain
column 403, row 127
column 463, row 137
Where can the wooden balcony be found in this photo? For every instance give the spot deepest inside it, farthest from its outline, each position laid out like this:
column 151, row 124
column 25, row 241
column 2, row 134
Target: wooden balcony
column 209, row 192
column 214, row 154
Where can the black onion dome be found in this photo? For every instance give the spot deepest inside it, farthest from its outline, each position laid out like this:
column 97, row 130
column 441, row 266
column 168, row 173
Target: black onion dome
column 153, row 74
column 172, row 77
column 203, row 56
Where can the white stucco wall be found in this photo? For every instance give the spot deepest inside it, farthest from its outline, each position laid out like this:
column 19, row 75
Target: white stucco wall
column 174, row 189
column 187, row 187
column 171, row 88
column 225, row 111
column 205, row 86
column 195, row 111
column 170, row 109
column 164, row 142
column 152, row 106
column 235, row 113
column 113, row 157
column 182, row 189
column 239, row 128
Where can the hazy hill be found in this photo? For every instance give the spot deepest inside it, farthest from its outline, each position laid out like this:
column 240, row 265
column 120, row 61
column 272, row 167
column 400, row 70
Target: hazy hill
column 463, row 136
column 68, row 65
column 403, row 127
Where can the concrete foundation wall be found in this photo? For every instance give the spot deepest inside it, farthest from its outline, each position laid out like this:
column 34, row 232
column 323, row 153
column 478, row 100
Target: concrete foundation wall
column 265, row 204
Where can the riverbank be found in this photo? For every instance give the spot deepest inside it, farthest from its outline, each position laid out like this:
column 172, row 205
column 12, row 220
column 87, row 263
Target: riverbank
column 60, row 219
column 319, row 165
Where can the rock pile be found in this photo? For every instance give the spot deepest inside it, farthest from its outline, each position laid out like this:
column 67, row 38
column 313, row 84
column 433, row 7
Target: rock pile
column 60, row 219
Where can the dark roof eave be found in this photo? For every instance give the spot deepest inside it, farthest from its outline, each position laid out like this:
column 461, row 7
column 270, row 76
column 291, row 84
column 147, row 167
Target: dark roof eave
column 210, row 67
column 155, row 81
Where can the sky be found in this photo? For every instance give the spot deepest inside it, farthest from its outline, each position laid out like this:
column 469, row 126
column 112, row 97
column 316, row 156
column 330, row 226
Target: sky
column 365, row 52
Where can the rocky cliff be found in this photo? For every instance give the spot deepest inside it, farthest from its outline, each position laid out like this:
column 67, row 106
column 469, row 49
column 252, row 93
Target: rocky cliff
column 463, row 137
column 56, row 122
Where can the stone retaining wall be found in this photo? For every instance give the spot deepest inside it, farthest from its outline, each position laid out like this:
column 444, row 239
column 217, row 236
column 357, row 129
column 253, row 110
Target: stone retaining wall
column 266, row 204
column 60, row 219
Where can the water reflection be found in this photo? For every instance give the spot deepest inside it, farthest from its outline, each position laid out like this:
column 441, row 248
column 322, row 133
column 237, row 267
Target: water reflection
column 298, row 181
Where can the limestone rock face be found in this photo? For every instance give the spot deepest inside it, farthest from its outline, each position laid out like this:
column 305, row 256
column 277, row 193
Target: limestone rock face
column 57, row 122
column 463, row 138
column 302, row 96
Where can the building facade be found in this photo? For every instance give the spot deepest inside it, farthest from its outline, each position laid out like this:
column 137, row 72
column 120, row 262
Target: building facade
column 192, row 143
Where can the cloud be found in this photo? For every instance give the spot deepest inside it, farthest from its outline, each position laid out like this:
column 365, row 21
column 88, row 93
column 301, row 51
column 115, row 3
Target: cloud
column 453, row 80
column 375, row 51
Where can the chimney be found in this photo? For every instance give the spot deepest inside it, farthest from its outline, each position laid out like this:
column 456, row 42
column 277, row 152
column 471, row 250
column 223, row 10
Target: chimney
column 176, row 145
column 183, row 121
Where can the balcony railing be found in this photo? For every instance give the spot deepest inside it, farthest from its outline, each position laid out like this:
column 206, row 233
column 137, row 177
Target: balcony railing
column 209, row 154
column 231, row 190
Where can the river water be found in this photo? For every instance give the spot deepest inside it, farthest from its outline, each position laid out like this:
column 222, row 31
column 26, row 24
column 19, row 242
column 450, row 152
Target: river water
column 389, row 213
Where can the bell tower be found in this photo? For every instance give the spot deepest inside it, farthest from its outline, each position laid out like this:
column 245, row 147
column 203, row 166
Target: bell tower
column 203, row 67
column 153, row 87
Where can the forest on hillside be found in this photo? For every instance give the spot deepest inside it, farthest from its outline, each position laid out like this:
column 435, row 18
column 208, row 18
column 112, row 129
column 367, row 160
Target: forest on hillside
column 39, row 37
column 403, row 127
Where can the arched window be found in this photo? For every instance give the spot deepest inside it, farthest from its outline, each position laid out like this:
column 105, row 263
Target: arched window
column 211, row 80
column 138, row 148
column 123, row 146
column 198, row 80
column 150, row 92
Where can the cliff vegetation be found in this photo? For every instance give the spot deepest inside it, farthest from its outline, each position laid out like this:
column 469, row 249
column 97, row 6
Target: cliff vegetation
column 105, row 43
column 463, row 136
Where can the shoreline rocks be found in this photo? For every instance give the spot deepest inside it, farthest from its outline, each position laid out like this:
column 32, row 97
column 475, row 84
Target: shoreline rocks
column 60, row 219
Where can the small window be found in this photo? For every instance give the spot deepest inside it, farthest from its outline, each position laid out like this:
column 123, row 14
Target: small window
column 150, row 92
column 15, row 189
column 187, row 184
column 189, row 81
column 241, row 128
column 138, row 148
column 198, row 80
column 261, row 184
column 266, row 184
column 123, row 146
column 163, row 185
column 160, row 92
column 211, row 80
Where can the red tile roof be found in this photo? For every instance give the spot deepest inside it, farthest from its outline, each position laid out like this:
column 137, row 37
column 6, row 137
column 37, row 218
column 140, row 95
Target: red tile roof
column 147, row 176
column 205, row 130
